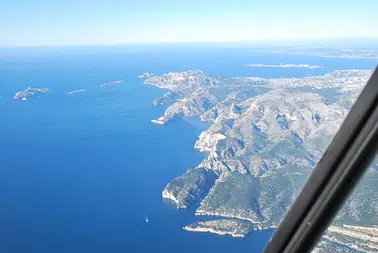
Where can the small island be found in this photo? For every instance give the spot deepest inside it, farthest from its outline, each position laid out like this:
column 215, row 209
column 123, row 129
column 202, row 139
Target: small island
column 233, row 227
column 77, row 91
column 146, row 75
column 111, row 83
column 23, row 95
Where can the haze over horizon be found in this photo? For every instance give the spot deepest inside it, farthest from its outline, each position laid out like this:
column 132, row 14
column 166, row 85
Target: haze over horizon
column 46, row 23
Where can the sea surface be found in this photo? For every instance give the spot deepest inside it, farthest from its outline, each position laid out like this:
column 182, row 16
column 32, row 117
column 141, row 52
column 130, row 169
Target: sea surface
column 81, row 172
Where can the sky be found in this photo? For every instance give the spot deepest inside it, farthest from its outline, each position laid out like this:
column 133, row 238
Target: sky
column 94, row 22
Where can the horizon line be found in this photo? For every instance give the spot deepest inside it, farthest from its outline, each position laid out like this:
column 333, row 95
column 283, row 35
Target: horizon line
column 240, row 42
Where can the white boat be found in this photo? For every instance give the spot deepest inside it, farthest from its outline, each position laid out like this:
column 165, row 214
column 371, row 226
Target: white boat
column 146, row 219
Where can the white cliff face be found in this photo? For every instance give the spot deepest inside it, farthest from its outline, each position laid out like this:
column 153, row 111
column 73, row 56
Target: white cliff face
column 170, row 195
column 207, row 141
column 189, row 187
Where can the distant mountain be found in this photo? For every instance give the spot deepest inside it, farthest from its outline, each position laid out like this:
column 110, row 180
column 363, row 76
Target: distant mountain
column 265, row 137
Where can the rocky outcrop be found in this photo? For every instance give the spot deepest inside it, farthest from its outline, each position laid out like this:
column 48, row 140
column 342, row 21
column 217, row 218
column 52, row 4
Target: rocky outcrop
column 186, row 189
column 233, row 227
column 146, row 75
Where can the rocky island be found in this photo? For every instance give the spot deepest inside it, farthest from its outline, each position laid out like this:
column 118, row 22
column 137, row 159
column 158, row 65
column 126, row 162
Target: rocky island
column 111, row 83
column 77, row 91
column 264, row 139
column 233, row 227
column 30, row 92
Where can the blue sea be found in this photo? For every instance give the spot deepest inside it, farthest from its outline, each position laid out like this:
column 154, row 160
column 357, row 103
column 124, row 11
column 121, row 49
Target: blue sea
column 79, row 173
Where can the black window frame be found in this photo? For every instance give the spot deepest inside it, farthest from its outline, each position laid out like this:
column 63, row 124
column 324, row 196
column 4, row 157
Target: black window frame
column 338, row 172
